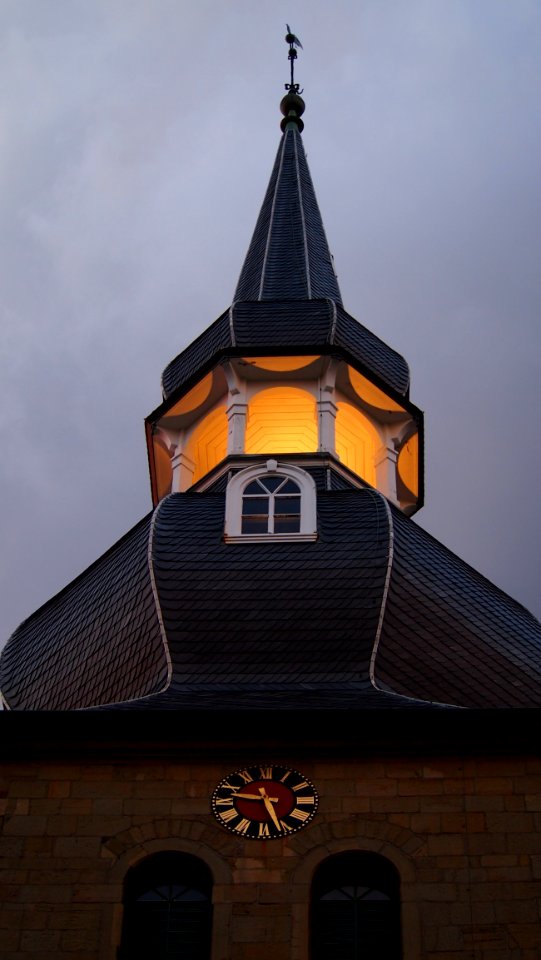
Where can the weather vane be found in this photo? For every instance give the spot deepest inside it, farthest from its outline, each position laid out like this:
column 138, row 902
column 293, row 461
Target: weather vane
column 292, row 56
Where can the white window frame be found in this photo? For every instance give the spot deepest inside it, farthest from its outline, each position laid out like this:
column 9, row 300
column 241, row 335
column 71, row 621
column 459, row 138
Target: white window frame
column 271, row 468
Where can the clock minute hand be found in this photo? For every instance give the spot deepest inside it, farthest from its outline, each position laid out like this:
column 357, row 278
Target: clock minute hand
column 268, row 801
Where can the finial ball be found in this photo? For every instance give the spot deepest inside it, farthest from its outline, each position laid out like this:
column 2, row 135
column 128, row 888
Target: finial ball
column 292, row 107
column 292, row 103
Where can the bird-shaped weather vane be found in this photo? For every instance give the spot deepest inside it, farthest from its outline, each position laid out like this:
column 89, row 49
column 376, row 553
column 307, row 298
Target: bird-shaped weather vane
column 292, row 56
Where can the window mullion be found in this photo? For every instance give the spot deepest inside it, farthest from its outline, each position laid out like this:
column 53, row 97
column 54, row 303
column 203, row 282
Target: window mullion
column 271, row 513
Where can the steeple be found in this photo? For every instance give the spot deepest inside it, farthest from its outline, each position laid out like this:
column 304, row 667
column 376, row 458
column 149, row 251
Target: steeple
column 285, row 372
column 280, row 569
column 289, row 257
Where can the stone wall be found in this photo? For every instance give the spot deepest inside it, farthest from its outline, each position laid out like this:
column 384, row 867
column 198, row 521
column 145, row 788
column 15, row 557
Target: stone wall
column 464, row 835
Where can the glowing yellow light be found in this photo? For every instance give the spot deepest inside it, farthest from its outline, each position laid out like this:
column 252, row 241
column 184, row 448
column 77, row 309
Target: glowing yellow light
column 207, row 444
column 280, row 364
column 408, row 464
column 282, row 420
column 356, row 442
column 194, row 398
column 371, row 394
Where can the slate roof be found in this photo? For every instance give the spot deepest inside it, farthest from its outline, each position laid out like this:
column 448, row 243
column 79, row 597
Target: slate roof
column 373, row 614
column 287, row 299
column 288, row 327
column 288, row 257
column 99, row 639
column 474, row 645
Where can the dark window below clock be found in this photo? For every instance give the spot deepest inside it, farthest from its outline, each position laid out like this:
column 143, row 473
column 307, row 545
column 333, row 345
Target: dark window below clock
column 355, row 909
column 167, row 909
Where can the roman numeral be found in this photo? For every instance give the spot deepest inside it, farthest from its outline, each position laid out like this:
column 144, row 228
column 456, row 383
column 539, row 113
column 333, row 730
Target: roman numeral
column 285, row 776
column 246, row 777
column 265, row 773
column 228, row 815
column 299, row 815
column 263, row 830
column 306, row 800
column 299, row 786
column 229, row 786
column 223, row 802
column 242, row 827
column 285, row 827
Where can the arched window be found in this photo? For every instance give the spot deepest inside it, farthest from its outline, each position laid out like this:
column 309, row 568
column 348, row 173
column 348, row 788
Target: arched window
column 167, row 909
column 355, row 909
column 271, row 501
column 271, row 504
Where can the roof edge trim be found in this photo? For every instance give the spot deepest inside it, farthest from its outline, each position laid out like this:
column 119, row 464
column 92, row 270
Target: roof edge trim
column 150, row 559
column 334, row 312
column 303, row 220
column 271, row 218
column 154, row 586
column 390, row 558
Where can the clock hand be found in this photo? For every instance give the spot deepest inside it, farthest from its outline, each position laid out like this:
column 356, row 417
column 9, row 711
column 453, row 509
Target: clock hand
column 269, row 807
column 255, row 796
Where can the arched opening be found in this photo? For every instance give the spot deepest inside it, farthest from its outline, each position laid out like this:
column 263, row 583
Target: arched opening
column 355, row 908
column 408, row 464
column 207, row 445
column 167, row 909
column 282, row 420
column 356, row 441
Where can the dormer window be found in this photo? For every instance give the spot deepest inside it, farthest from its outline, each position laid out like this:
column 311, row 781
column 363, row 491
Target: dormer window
column 271, row 501
column 271, row 505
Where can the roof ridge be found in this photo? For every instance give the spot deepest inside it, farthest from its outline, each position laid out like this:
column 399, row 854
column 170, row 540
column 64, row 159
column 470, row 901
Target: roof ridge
column 303, row 220
column 271, row 220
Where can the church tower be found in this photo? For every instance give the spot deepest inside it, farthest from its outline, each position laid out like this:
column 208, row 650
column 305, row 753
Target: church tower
column 279, row 610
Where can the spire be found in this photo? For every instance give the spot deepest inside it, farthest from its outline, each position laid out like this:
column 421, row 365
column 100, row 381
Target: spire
column 289, row 257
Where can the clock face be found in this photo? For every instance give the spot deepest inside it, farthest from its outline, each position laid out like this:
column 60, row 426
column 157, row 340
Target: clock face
column 264, row 802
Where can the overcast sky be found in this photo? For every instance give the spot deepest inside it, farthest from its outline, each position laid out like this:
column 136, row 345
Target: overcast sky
column 137, row 138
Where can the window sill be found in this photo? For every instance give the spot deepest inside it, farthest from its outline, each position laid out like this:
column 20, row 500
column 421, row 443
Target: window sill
column 267, row 537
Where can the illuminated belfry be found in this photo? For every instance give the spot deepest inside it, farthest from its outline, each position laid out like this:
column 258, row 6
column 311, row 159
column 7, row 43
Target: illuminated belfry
column 286, row 371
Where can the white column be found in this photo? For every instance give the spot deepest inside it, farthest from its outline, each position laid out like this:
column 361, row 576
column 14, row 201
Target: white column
column 236, row 431
column 183, row 471
column 237, row 410
column 327, row 409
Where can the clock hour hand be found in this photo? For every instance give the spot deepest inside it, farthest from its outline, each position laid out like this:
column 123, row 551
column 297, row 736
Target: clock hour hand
column 256, row 796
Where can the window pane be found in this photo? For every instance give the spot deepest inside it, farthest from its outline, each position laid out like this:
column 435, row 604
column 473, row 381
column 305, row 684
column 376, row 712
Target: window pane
column 255, row 525
column 254, row 487
column 255, row 505
column 287, row 504
column 272, row 483
column 290, row 487
column 287, row 524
